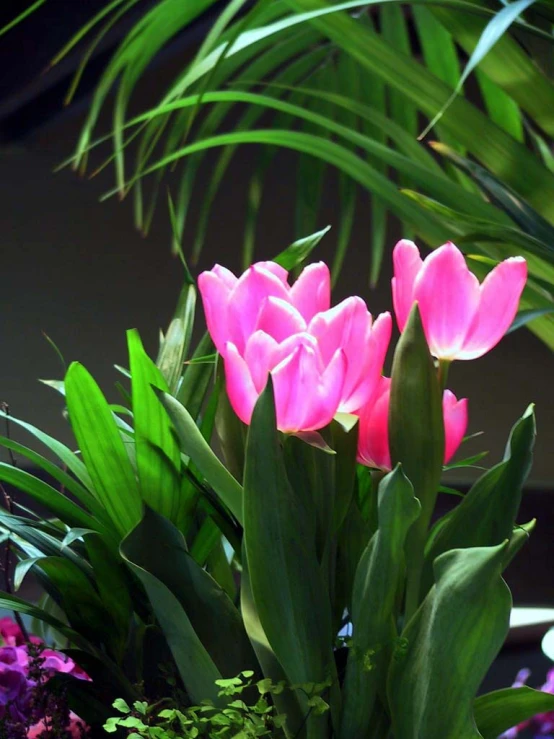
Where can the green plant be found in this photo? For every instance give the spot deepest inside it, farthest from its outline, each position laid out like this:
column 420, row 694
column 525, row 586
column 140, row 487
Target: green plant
column 237, row 719
column 252, row 567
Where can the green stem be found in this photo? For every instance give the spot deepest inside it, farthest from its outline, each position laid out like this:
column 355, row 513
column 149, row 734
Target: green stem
column 444, row 366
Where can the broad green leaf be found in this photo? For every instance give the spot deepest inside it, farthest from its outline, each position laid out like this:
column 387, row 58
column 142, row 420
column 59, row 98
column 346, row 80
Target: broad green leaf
column 417, row 437
column 486, row 515
column 378, row 577
column 431, row 689
column 213, row 617
column 157, row 452
column 195, row 666
column 287, row 587
column 500, row 710
column 194, row 445
column 286, row 702
column 103, row 449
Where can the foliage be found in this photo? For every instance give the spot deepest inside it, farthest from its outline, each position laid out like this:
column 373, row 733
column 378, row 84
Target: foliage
column 347, row 86
column 237, row 719
column 204, row 574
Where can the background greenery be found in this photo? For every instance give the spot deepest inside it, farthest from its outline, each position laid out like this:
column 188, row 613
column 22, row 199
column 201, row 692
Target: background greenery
column 441, row 110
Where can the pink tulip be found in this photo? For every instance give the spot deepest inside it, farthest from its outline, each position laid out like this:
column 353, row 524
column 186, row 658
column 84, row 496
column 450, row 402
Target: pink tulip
column 233, row 305
column 373, row 439
column 322, row 360
column 350, row 326
column 462, row 319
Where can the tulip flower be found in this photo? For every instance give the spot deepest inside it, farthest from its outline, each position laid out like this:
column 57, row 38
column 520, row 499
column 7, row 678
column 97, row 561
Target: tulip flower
column 322, row 360
column 233, row 305
column 462, row 318
column 373, row 438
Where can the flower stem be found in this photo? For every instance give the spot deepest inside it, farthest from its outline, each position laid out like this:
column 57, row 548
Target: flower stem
column 444, row 366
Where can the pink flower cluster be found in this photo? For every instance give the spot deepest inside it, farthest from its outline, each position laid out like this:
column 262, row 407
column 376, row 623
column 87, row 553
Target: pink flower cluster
column 326, row 360
column 17, row 687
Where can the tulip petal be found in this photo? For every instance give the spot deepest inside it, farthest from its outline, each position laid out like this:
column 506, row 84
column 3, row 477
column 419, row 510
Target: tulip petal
column 215, row 298
column 245, row 302
column 448, row 295
column 365, row 365
column 455, row 423
column 225, row 275
column 306, row 400
column 500, row 294
column 407, row 263
column 275, row 269
column 373, row 438
column 279, row 319
column 261, row 355
column 240, row 386
column 311, row 293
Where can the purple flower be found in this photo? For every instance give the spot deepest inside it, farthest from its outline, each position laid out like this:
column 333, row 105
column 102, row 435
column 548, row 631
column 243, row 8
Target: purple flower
column 543, row 723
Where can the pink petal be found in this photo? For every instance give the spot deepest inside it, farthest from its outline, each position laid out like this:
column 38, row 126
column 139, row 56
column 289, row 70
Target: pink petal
column 275, row 269
column 279, row 319
column 311, row 293
column 261, row 355
column 348, row 326
column 500, row 294
column 373, row 438
column 225, row 275
column 407, row 263
column 215, row 297
column 448, row 296
column 246, row 299
column 240, row 386
column 365, row 365
column 341, row 327
column 455, row 423
column 306, row 400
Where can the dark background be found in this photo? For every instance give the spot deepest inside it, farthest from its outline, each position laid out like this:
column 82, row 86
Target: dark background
column 77, row 270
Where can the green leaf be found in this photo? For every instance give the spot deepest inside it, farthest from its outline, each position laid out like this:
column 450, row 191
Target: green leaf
column 196, row 378
column 431, row 691
column 491, row 34
column 286, row 583
column 486, row 515
column 196, row 447
column 65, row 455
column 525, row 316
column 507, row 64
column 176, row 342
column 378, row 577
column 287, row 701
column 195, row 666
column 500, row 710
column 297, row 253
column 213, row 617
column 157, row 451
column 416, row 438
column 58, row 504
column 103, row 449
